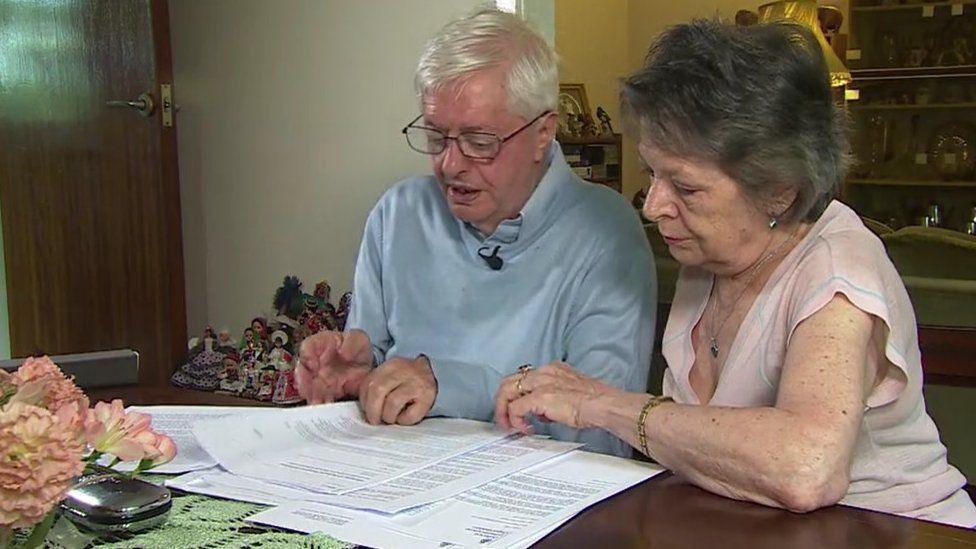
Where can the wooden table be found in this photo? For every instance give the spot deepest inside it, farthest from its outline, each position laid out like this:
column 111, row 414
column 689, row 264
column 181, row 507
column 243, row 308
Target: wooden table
column 668, row 512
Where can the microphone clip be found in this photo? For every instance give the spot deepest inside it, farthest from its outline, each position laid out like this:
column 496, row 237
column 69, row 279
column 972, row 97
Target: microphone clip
column 494, row 262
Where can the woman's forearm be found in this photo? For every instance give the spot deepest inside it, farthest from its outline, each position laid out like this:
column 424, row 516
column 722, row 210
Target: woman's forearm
column 767, row 455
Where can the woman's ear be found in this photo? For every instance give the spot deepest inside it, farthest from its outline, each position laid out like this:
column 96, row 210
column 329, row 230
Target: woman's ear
column 782, row 202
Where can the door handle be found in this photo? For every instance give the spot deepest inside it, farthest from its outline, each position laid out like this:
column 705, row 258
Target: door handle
column 144, row 104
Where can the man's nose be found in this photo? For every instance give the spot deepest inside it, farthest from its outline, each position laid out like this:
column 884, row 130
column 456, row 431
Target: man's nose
column 452, row 160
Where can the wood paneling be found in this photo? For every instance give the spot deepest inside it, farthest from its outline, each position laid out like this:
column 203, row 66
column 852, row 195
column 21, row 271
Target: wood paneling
column 89, row 194
column 948, row 355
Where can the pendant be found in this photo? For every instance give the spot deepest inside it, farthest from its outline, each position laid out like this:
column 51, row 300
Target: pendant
column 713, row 347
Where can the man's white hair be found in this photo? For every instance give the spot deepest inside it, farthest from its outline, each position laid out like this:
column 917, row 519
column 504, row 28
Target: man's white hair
column 489, row 39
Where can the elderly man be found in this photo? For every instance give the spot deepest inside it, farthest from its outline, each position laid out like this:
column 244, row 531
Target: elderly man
column 503, row 258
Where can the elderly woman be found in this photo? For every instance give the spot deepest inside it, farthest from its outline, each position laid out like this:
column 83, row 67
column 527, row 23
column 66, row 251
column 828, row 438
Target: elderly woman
column 794, row 376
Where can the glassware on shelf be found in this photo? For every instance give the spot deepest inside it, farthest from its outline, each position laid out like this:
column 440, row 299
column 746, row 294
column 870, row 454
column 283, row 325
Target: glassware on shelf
column 879, row 128
column 953, row 151
column 934, row 213
column 888, row 49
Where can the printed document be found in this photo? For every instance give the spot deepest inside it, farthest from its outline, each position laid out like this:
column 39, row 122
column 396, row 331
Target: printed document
column 331, row 449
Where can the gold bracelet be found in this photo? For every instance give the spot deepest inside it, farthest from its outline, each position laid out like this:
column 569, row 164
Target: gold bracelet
column 651, row 403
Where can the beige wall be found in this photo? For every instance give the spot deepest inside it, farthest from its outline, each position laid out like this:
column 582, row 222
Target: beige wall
column 592, row 46
column 288, row 134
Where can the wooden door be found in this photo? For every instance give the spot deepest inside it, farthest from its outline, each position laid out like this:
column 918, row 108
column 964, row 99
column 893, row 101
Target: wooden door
column 89, row 195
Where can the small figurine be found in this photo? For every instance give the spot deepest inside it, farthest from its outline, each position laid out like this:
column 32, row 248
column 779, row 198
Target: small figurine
column 345, row 303
column 288, row 298
column 606, row 128
column 589, row 126
column 231, row 377
column 201, row 370
column 260, row 327
column 279, row 356
column 574, row 124
column 247, row 340
column 267, row 378
column 225, row 343
column 323, row 291
column 286, row 392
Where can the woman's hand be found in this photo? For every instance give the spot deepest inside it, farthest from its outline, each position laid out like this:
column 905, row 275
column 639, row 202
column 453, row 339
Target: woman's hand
column 555, row 392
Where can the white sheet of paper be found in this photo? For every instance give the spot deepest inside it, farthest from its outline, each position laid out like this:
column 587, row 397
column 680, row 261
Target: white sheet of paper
column 519, row 506
column 454, row 475
column 514, row 511
column 354, row 526
column 429, row 484
column 331, row 449
column 218, row 483
column 346, row 525
column 177, row 423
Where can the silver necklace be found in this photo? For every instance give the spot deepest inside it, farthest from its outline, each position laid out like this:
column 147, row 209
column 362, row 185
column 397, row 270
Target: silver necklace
column 713, row 339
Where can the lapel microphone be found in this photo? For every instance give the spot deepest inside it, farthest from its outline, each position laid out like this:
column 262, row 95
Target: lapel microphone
column 494, row 262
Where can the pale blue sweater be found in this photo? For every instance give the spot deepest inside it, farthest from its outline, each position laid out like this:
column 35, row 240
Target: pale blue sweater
column 577, row 284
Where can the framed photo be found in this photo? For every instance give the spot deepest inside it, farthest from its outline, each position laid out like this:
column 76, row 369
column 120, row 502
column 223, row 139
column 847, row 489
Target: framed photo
column 573, row 108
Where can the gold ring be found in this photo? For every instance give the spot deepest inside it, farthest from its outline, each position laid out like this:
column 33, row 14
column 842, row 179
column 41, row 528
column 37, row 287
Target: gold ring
column 522, row 371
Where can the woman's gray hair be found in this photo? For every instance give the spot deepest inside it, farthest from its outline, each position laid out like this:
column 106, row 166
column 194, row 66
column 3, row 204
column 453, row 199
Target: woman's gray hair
column 486, row 40
column 756, row 101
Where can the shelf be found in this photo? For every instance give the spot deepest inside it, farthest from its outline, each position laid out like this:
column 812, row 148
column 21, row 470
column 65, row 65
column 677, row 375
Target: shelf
column 918, row 6
column 906, row 73
column 590, row 140
column 910, row 107
column 910, row 183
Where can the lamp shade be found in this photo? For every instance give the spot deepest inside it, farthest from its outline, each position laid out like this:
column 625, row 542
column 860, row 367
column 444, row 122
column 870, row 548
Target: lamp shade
column 804, row 12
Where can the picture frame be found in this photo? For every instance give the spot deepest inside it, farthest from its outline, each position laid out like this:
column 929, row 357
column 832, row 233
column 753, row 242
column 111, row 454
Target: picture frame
column 573, row 107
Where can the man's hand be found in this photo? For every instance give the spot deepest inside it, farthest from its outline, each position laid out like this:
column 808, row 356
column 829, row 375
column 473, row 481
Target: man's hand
column 332, row 365
column 400, row 391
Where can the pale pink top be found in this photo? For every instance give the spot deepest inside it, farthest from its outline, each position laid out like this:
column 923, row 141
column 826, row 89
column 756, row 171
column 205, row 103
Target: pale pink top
column 899, row 462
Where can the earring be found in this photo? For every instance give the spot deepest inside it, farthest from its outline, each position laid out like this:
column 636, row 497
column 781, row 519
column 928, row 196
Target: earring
column 772, row 223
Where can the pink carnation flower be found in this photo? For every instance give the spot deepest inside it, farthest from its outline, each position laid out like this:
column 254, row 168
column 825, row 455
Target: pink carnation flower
column 45, row 385
column 127, row 436
column 39, row 460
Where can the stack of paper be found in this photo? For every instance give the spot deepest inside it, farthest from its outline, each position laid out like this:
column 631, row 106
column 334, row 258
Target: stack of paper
column 442, row 483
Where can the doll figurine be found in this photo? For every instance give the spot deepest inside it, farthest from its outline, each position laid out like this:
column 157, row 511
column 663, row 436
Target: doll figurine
column 285, row 390
column 288, row 298
column 606, row 128
column 200, row 371
column 231, row 377
column 589, row 126
column 260, row 327
column 342, row 313
column 279, row 357
column 266, row 380
column 323, row 291
column 225, row 343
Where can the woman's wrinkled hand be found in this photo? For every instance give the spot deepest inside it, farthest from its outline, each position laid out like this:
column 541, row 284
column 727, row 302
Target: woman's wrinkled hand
column 555, row 392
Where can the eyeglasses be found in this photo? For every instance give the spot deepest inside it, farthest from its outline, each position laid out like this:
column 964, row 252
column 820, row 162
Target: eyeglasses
column 474, row 145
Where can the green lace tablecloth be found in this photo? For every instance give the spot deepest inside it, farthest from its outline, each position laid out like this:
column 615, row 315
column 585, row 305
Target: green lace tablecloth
column 201, row 522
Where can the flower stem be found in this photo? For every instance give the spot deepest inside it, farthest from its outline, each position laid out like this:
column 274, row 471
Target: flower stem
column 39, row 532
column 96, row 468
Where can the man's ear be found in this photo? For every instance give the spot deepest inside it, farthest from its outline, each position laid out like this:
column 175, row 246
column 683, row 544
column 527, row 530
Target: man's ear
column 547, row 132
